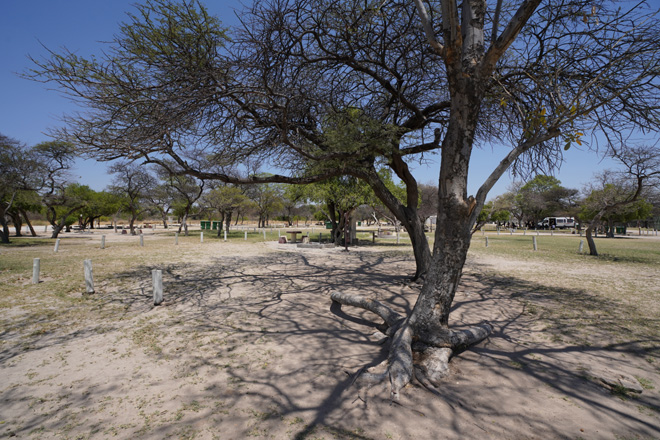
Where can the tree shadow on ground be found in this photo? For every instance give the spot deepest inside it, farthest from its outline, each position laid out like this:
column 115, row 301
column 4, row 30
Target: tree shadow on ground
column 264, row 334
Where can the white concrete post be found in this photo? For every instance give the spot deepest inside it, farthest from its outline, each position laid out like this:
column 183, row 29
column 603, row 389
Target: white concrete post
column 35, row 270
column 264, row 235
column 486, row 241
column 102, row 241
column 157, row 282
column 89, row 277
column 201, row 237
column 176, row 238
column 534, row 243
column 57, row 245
column 581, row 246
column 141, row 240
column 246, row 235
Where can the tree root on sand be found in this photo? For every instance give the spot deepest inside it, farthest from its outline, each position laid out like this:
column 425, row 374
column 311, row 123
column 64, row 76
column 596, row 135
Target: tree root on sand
column 427, row 360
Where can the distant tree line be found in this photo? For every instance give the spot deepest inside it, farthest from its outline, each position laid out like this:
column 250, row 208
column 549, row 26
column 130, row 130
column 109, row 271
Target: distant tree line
column 37, row 182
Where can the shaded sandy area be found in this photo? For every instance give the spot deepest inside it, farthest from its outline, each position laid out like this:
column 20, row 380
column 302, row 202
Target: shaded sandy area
column 248, row 345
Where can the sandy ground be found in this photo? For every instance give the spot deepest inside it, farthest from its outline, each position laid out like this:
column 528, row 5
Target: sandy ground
column 248, row 344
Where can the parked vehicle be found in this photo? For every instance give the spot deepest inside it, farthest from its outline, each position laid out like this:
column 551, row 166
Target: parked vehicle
column 558, row 223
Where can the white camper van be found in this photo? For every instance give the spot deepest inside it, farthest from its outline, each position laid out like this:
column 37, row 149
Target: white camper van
column 558, row 223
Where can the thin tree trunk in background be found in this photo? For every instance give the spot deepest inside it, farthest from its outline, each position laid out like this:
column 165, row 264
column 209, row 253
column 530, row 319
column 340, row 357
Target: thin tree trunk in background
column 27, row 220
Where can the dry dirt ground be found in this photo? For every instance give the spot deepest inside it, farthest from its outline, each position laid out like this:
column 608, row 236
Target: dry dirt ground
column 248, row 345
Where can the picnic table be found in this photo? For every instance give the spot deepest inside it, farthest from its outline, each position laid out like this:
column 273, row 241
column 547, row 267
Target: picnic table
column 294, row 235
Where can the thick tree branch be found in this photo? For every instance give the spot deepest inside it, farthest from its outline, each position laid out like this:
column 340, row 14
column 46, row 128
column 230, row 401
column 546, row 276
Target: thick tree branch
column 428, row 27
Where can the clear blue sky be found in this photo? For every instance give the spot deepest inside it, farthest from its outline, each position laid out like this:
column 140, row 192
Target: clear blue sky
column 28, row 109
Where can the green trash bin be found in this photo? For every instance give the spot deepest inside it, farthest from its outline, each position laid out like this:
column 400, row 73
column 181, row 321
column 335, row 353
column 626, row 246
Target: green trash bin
column 205, row 224
column 328, row 225
column 621, row 230
column 215, row 225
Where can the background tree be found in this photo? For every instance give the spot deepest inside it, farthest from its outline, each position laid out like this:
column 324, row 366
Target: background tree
column 19, row 172
column 340, row 196
column 63, row 205
column 131, row 182
column 186, row 191
column 541, row 197
column 26, row 201
column 60, row 198
column 160, row 199
column 336, row 88
column 225, row 200
column 428, row 204
column 293, row 197
column 266, row 201
column 100, row 204
column 620, row 192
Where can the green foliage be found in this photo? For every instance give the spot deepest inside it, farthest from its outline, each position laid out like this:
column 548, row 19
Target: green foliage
column 343, row 193
column 611, row 198
column 543, row 196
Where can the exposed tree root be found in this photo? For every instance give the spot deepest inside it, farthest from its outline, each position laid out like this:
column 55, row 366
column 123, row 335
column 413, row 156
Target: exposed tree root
column 390, row 317
column 427, row 361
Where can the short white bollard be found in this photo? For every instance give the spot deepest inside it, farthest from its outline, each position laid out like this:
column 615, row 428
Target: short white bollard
column 57, row 245
column 102, row 241
column 141, row 240
column 534, row 242
column 201, row 237
column 246, row 235
column 89, row 277
column 581, row 246
column 486, row 241
column 36, row 263
column 264, row 235
column 157, row 281
column 176, row 238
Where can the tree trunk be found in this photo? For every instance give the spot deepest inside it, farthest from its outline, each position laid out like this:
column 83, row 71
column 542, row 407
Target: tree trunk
column 420, row 244
column 27, row 220
column 4, row 236
column 221, row 223
column 229, row 214
column 590, row 239
column 57, row 228
column 18, row 223
column 610, row 228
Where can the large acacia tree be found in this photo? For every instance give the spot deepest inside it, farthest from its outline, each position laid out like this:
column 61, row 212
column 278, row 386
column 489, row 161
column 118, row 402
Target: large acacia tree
column 321, row 88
